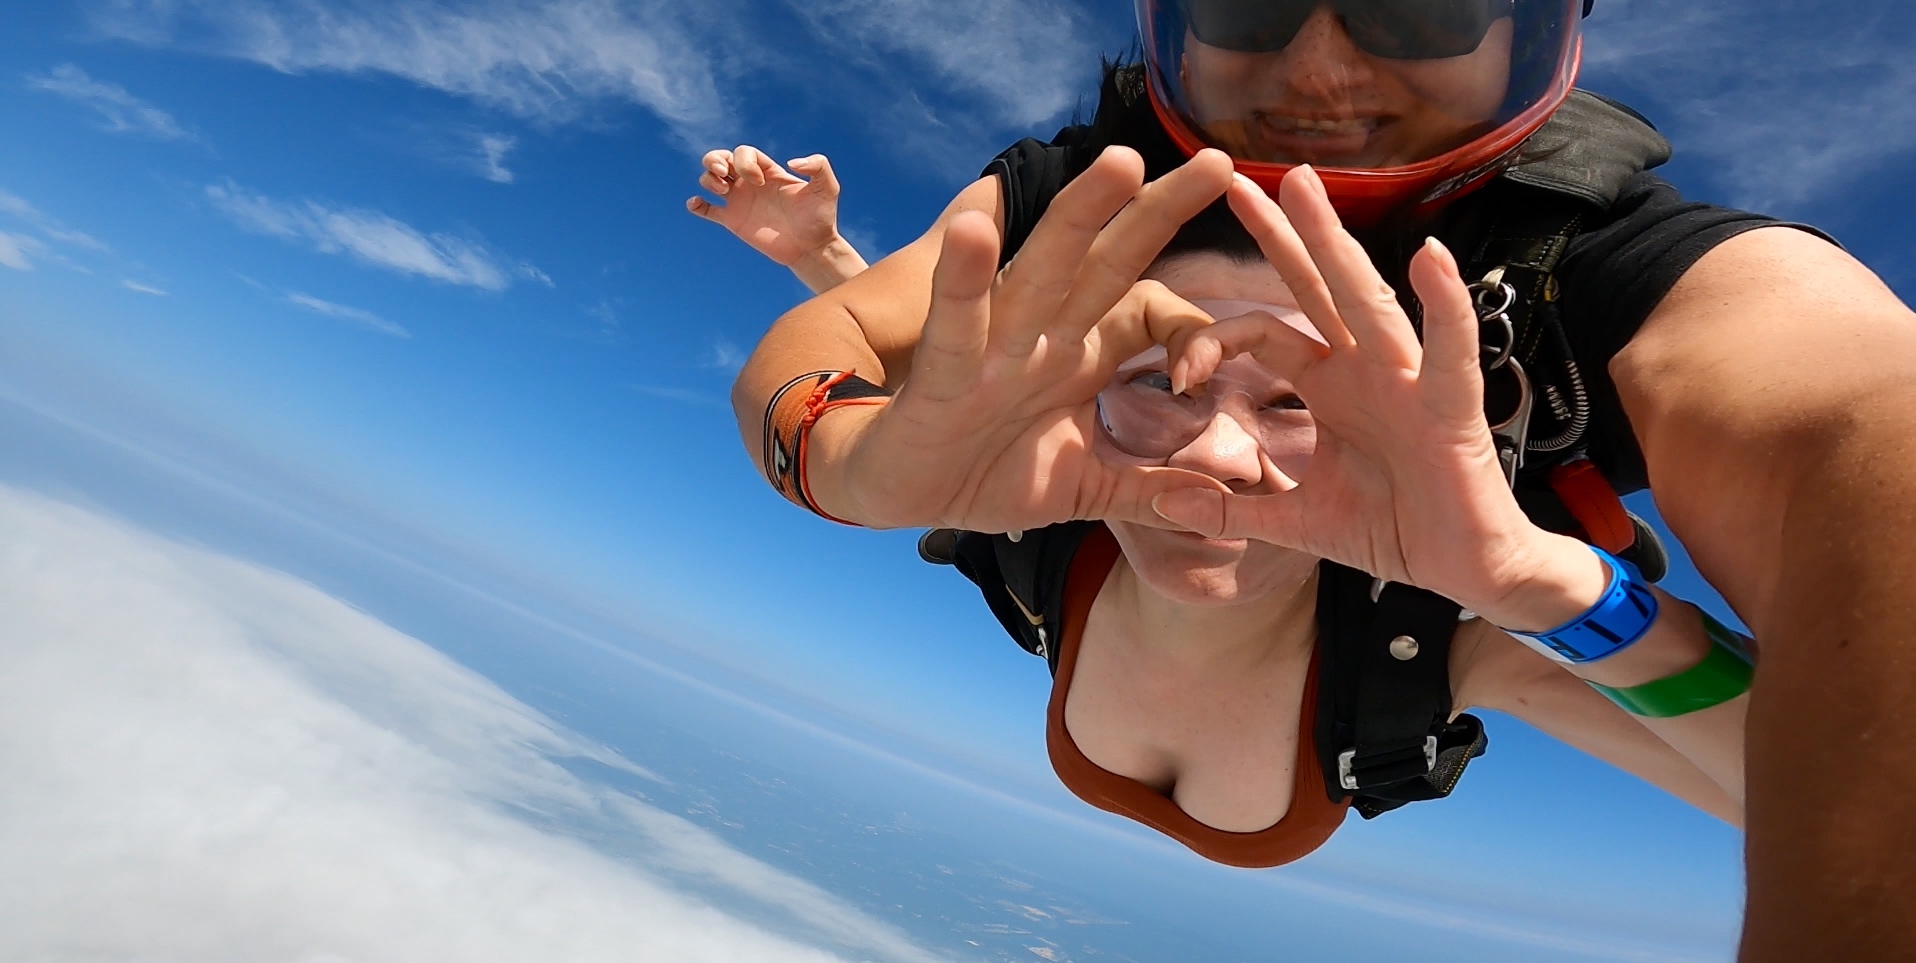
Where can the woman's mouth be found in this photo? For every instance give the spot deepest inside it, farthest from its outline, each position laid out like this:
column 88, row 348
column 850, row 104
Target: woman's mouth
column 1330, row 141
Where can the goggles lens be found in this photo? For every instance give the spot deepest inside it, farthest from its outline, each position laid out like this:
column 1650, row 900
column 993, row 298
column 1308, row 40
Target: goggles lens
column 1142, row 416
column 1392, row 29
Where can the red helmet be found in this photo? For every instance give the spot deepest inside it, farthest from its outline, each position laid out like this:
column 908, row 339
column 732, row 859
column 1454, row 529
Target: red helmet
column 1400, row 105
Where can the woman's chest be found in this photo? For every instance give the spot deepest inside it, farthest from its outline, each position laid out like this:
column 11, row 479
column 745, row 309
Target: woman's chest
column 1220, row 737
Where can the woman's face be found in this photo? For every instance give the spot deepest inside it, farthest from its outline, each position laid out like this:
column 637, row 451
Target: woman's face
column 1322, row 100
column 1255, row 423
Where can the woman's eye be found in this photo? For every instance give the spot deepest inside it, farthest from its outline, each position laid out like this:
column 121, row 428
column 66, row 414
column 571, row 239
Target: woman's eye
column 1154, row 380
column 1288, row 403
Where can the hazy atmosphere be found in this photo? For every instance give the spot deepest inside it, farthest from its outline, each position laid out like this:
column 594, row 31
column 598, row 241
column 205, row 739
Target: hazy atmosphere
column 382, row 577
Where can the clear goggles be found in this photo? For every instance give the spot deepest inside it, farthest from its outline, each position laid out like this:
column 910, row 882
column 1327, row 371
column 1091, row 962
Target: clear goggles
column 1356, row 84
column 1143, row 417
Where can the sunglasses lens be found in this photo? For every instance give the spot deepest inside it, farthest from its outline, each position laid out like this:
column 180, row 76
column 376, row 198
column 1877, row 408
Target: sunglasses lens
column 1393, row 29
column 1248, row 26
column 1419, row 29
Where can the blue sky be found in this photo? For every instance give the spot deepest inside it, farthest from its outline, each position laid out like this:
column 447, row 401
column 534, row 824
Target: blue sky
column 412, row 280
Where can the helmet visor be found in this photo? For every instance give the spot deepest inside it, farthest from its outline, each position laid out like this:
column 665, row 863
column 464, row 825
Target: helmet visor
column 1355, row 84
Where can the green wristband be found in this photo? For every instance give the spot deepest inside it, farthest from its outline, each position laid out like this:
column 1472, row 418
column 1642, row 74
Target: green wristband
column 1723, row 675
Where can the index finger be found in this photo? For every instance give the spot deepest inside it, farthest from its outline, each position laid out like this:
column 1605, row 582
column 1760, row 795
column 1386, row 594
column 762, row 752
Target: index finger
column 1125, row 247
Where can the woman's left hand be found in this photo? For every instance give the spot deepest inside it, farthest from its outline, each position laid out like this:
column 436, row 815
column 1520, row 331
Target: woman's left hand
column 1404, row 482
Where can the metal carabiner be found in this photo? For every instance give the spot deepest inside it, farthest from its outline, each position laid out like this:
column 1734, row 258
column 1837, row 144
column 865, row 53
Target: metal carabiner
column 1493, row 298
column 1512, row 433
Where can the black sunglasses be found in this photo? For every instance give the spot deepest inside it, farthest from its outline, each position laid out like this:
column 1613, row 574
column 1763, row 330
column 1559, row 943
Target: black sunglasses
column 1392, row 29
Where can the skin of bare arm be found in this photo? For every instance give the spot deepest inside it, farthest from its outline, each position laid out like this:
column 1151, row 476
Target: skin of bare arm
column 1774, row 395
column 1494, row 671
column 993, row 433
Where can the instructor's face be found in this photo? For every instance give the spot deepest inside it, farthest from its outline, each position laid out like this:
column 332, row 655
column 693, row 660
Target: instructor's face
column 1322, row 100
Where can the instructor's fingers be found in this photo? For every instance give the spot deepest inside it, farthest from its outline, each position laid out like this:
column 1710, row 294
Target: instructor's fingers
column 1451, row 378
column 1366, row 304
column 952, row 344
column 818, row 169
column 748, row 165
column 705, row 209
column 1277, row 238
column 1133, row 239
column 1041, row 275
column 1214, row 514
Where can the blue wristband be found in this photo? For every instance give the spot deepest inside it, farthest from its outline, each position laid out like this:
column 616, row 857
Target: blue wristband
column 1621, row 616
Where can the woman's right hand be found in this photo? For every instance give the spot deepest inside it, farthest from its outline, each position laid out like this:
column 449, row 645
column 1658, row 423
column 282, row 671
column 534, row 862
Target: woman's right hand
column 995, row 428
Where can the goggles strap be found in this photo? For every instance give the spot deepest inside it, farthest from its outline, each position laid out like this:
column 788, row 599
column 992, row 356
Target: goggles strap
column 789, row 418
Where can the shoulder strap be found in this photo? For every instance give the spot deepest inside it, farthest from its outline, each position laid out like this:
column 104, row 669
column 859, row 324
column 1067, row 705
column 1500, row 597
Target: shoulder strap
column 1023, row 581
column 1383, row 730
column 1030, row 173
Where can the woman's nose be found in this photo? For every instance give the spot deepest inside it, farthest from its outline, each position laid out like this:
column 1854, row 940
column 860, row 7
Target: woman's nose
column 1225, row 451
column 1321, row 63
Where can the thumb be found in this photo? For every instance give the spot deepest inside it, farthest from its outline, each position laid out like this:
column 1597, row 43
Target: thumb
column 1196, row 509
column 819, row 170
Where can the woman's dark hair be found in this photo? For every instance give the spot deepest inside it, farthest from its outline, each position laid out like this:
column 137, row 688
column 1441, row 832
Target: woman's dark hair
column 1125, row 118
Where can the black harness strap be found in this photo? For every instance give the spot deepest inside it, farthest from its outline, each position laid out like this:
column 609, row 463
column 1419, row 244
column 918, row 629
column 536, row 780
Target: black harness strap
column 1384, row 733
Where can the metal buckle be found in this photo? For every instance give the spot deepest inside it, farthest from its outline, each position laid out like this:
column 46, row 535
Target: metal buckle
column 1349, row 781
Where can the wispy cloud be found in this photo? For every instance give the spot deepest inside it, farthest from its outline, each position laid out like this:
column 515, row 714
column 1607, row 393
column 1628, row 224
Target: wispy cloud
column 122, row 112
column 138, row 288
column 372, row 238
column 1031, row 58
column 14, row 249
column 557, row 61
column 208, row 760
column 1832, row 100
column 18, row 209
column 726, row 357
column 547, row 62
column 684, row 396
column 363, row 318
column 493, row 149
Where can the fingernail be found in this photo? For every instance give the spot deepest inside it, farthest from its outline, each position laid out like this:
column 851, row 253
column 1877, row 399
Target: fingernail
column 1155, row 501
column 1178, row 377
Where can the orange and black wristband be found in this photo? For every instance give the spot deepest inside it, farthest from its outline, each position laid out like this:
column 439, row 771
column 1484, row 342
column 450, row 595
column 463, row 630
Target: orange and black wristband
column 789, row 418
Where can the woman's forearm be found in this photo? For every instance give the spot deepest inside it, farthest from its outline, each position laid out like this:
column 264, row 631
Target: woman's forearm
column 829, row 266
column 1677, row 642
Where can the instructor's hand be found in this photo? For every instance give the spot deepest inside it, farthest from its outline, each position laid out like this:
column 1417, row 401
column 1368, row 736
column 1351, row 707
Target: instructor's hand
column 995, row 428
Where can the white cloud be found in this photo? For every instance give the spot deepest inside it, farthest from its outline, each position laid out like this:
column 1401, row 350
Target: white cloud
column 726, row 356
column 543, row 60
column 208, row 760
column 14, row 249
column 365, row 319
column 373, row 238
column 138, row 288
column 554, row 61
column 123, row 112
column 1791, row 103
column 1030, row 57
column 17, row 208
column 493, row 149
